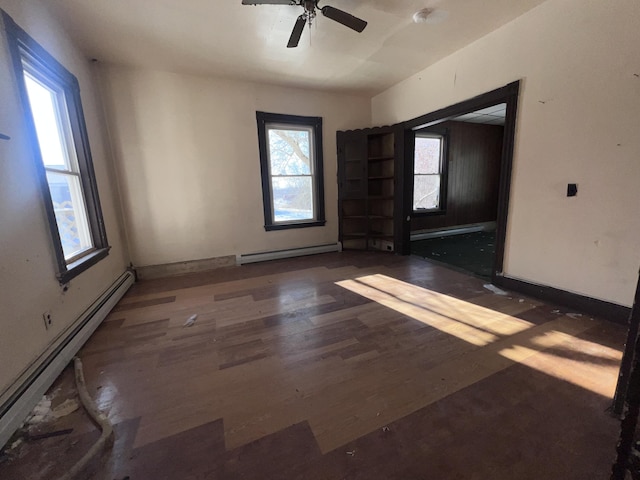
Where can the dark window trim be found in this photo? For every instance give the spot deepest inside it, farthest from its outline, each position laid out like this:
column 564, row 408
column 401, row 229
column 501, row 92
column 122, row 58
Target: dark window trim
column 22, row 45
column 263, row 118
column 444, row 173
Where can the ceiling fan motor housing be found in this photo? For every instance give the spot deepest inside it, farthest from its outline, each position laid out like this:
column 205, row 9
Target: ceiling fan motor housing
column 309, row 15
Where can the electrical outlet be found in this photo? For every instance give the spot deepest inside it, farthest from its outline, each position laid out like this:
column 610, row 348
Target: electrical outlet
column 46, row 316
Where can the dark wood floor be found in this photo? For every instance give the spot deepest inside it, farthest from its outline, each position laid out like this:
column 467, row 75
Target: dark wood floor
column 351, row 366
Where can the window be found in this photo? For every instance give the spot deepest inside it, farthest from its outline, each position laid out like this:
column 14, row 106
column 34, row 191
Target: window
column 428, row 173
column 55, row 122
column 291, row 167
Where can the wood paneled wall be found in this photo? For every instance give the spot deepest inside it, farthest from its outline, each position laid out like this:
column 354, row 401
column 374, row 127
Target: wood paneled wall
column 475, row 152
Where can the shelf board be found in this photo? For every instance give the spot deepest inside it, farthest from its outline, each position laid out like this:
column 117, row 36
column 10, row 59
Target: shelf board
column 374, row 217
column 382, row 236
column 353, row 235
column 383, row 158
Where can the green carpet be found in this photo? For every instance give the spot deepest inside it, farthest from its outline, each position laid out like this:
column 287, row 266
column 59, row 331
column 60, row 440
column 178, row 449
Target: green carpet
column 472, row 252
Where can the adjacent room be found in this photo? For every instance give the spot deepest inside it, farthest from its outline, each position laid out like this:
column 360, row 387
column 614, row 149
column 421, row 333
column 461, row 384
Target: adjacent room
column 456, row 187
column 291, row 239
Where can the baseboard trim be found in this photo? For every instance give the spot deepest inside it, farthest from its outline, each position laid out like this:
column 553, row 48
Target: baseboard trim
column 600, row 308
column 449, row 231
column 292, row 252
column 181, row 268
column 29, row 388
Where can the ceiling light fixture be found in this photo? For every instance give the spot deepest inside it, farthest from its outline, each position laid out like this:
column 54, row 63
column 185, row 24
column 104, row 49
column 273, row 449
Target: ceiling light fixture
column 430, row 16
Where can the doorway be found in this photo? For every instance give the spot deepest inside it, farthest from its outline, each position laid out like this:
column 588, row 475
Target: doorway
column 455, row 207
column 456, row 177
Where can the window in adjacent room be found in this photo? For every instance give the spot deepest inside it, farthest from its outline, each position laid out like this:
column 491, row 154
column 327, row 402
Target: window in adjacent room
column 55, row 121
column 428, row 174
column 291, row 167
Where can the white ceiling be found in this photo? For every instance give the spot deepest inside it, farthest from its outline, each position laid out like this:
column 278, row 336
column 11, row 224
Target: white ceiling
column 226, row 38
column 494, row 115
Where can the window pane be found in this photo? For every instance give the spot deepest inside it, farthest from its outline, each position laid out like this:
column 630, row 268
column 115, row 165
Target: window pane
column 292, row 198
column 45, row 108
column 289, row 152
column 426, row 192
column 427, row 155
column 71, row 216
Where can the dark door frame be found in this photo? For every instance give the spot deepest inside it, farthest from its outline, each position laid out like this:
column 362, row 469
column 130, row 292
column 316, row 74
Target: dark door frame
column 507, row 94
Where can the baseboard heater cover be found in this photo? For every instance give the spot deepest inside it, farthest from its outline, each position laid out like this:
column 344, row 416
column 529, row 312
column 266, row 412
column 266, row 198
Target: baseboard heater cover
column 437, row 233
column 293, row 252
column 33, row 384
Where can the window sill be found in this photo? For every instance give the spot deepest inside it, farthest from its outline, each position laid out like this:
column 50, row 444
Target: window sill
column 76, row 268
column 287, row 226
column 427, row 213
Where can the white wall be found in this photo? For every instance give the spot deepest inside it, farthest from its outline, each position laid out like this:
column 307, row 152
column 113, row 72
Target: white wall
column 578, row 122
column 28, row 286
column 188, row 163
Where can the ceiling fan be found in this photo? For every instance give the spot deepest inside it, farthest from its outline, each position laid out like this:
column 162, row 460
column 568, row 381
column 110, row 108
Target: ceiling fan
column 309, row 15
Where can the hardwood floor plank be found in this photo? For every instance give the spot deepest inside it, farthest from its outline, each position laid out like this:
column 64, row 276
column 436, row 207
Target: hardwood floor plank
column 317, row 356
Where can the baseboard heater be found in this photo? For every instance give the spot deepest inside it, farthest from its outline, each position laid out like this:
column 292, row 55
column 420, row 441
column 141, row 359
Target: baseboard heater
column 33, row 384
column 293, row 252
column 437, row 233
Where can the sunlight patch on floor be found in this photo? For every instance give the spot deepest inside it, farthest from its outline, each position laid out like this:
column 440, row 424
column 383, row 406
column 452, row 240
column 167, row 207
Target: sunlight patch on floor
column 472, row 323
column 545, row 347
column 565, row 357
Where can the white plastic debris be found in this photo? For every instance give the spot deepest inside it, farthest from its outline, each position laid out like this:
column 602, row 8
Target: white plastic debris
column 494, row 289
column 385, row 429
column 351, row 453
column 555, row 311
column 65, row 408
column 190, row 321
column 574, row 315
column 40, row 411
column 521, row 300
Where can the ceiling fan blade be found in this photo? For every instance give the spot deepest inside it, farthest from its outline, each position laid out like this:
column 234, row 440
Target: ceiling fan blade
column 344, row 18
column 298, row 28
column 268, row 2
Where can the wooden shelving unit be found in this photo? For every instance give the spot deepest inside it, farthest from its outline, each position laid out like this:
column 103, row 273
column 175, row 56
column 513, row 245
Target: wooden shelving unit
column 367, row 188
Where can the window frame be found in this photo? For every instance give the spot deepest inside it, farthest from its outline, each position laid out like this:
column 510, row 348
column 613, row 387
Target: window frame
column 23, row 48
column 443, row 134
column 266, row 120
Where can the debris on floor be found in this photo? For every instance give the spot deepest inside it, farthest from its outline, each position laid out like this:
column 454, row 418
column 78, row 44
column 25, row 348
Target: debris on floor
column 494, row 289
column 56, row 433
column 385, row 429
column 54, row 436
column 65, row 408
column 351, row 453
column 574, row 315
column 40, row 412
column 190, row 321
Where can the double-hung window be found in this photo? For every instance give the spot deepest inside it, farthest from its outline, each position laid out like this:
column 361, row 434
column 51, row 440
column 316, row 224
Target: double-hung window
column 428, row 173
column 291, row 167
column 55, row 123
